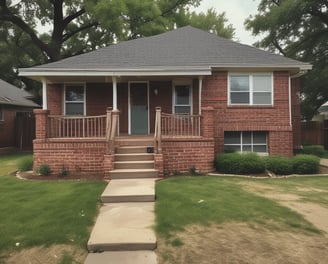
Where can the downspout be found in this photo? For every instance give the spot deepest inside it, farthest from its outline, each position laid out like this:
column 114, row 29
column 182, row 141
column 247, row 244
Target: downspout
column 44, row 94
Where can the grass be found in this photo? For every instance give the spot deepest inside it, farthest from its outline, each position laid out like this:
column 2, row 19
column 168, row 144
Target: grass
column 310, row 189
column 203, row 200
column 8, row 163
column 35, row 213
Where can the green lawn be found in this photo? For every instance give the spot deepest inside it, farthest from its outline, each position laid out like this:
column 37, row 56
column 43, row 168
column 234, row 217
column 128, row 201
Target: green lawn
column 8, row 163
column 203, row 200
column 42, row 212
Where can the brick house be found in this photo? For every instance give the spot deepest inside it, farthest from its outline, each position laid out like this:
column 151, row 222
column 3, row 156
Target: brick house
column 15, row 103
column 186, row 94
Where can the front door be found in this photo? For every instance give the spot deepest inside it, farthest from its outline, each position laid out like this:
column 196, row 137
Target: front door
column 138, row 108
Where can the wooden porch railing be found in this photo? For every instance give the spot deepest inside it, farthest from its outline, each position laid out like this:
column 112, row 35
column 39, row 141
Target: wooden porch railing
column 76, row 126
column 111, row 129
column 158, row 132
column 180, row 125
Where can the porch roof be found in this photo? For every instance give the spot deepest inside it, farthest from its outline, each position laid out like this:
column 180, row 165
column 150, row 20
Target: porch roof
column 184, row 51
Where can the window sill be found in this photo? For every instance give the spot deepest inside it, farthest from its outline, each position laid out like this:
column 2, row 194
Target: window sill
column 251, row 106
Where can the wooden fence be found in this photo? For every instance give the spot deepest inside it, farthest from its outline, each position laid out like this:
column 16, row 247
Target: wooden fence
column 315, row 133
column 24, row 130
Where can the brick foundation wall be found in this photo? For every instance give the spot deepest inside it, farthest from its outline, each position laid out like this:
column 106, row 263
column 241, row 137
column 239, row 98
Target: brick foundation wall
column 273, row 119
column 180, row 155
column 77, row 155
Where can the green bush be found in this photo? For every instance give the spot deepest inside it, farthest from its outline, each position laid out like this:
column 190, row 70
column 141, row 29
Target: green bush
column 238, row 163
column 44, row 170
column 279, row 165
column 316, row 150
column 25, row 164
column 306, row 164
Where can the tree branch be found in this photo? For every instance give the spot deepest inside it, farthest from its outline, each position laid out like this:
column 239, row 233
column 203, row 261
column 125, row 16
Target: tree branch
column 71, row 17
column 70, row 34
column 278, row 47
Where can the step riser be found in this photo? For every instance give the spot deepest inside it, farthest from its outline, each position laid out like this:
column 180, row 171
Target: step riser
column 120, row 247
column 129, row 199
column 132, row 175
column 148, row 143
column 134, row 150
column 148, row 165
column 134, row 157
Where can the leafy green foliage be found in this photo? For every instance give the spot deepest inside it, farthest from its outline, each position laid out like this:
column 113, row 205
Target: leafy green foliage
column 279, row 165
column 297, row 29
column 239, row 163
column 316, row 150
column 25, row 164
column 44, row 170
column 306, row 164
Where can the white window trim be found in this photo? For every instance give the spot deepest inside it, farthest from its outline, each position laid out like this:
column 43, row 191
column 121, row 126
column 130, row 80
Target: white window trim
column 252, row 144
column 84, row 96
column 251, row 92
column 182, row 82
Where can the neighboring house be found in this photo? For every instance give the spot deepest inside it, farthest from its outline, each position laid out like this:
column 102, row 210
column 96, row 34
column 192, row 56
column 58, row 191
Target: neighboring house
column 214, row 94
column 15, row 104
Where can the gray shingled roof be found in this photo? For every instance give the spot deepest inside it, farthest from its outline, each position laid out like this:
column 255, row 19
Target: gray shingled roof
column 11, row 95
column 183, row 47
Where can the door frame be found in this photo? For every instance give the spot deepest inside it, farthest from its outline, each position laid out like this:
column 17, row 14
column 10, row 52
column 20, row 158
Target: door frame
column 129, row 104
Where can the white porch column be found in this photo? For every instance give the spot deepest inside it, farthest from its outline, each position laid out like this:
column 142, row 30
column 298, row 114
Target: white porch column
column 200, row 87
column 114, row 92
column 44, row 95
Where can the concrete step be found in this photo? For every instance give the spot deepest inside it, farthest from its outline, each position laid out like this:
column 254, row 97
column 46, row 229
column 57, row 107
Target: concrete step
column 145, row 164
column 122, row 257
column 129, row 190
column 124, row 227
column 134, row 157
column 131, row 149
column 133, row 173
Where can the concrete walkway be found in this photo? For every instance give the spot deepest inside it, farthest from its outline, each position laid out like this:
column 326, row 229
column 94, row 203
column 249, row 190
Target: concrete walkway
column 124, row 229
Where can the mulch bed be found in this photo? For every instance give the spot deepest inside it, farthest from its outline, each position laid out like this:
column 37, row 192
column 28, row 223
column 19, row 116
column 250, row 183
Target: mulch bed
column 30, row 175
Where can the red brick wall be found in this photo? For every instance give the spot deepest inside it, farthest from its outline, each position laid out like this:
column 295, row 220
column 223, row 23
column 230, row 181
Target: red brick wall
column 180, row 155
column 249, row 118
column 76, row 155
column 55, row 98
column 99, row 96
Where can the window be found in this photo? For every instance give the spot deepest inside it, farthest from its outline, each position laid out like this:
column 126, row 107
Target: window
column 2, row 114
column 245, row 141
column 182, row 99
column 250, row 89
column 74, row 99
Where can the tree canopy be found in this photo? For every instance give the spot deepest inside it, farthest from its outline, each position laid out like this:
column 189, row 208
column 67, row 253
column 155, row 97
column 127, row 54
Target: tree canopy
column 298, row 29
column 38, row 31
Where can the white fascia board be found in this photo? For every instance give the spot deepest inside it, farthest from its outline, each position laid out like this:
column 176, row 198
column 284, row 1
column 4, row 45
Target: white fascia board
column 301, row 67
column 30, row 72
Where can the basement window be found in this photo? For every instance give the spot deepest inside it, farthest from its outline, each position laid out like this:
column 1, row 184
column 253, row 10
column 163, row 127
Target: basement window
column 246, row 141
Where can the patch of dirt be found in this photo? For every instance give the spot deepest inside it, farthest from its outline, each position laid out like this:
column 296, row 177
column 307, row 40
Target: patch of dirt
column 239, row 243
column 49, row 255
column 312, row 212
column 30, row 175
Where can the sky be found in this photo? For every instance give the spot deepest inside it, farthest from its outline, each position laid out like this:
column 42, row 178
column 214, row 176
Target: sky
column 236, row 13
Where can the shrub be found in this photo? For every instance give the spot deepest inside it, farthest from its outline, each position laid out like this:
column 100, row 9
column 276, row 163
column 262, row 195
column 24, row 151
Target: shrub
column 306, row 164
column 25, row 164
column 64, row 172
column 44, row 170
column 316, row 150
column 279, row 165
column 237, row 163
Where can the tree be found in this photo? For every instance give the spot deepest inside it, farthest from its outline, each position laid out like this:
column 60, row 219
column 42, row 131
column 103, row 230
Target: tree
column 79, row 26
column 298, row 29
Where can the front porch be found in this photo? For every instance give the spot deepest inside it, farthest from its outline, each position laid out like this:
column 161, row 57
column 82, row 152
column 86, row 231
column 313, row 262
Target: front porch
column 90, row 144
